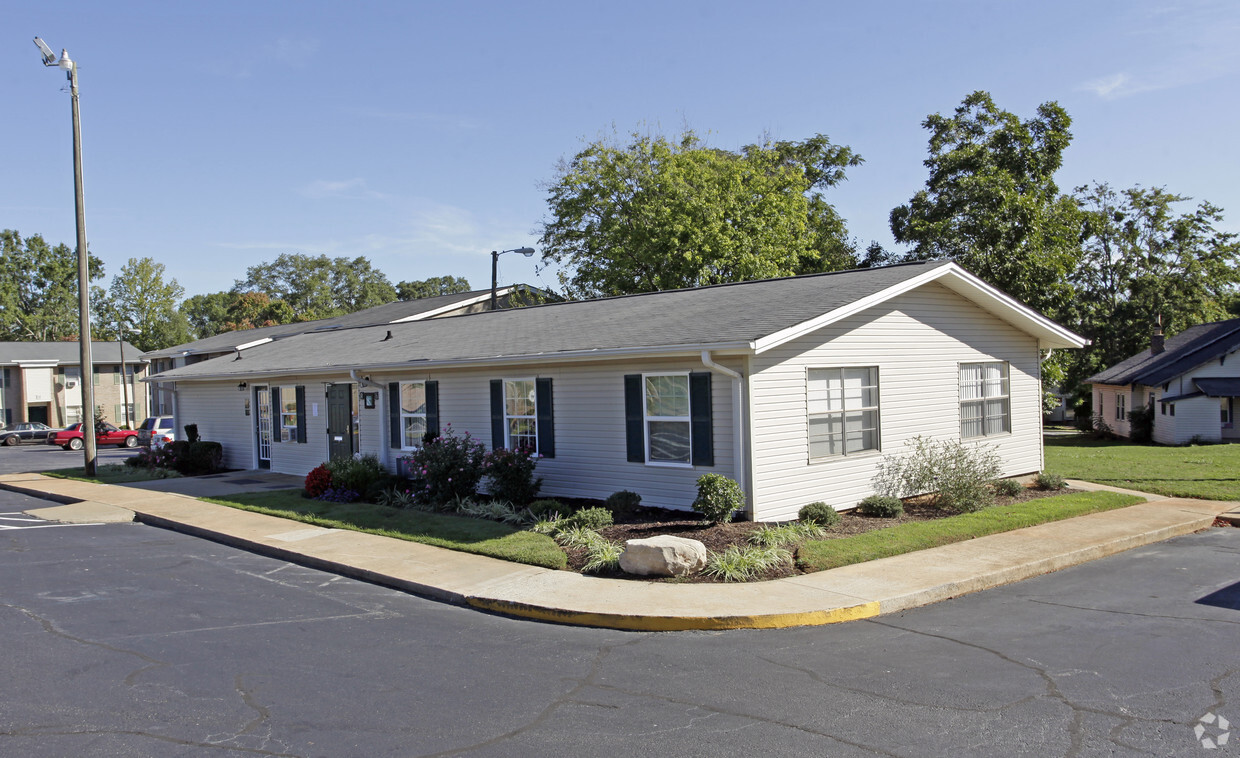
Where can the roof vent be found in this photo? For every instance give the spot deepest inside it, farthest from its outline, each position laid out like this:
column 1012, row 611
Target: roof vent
column 388, row 337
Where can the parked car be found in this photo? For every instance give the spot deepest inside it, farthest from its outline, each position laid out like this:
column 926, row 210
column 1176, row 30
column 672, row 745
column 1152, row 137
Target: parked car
column 70, row 438
column 25, row 431
column 156, row 431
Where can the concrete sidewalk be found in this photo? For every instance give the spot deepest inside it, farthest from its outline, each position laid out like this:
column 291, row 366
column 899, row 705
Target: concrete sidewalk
column 843, row 594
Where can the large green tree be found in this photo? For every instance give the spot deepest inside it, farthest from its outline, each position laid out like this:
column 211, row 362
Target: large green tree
column 431, row 287
column 141, row 300
column 656, row 214
column 38, row 288
column 991, row 202
column 317, row 287
column 1146, row 262
column 218, row 312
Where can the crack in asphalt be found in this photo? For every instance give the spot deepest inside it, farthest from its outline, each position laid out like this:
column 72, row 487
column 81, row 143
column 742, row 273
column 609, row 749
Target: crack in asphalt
column 1120, row 612
column 54, row 732
column 571, row 697
column 249, row 731
column 1076, row 732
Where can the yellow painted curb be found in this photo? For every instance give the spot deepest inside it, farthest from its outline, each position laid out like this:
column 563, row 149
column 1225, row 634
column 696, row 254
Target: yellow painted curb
column 676, row 623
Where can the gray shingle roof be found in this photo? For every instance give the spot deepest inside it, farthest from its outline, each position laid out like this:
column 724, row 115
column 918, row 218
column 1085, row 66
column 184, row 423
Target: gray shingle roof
column 1181, row 353
column 382, row 314
column 727, row 315
column 66, row 353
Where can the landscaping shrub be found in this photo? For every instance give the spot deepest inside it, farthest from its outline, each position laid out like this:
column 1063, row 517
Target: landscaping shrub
column 318, row 480
column 1008, row 487
column 396, row 497
column 590, row 518
column 881, row 506
column 1141, row 424
column 543, row 508
column 1049, row 481
column 385, row 483
column 356, row 474
column 956, row 476
column 448, row 466
column 510, row 474
column 338, row 495
column 819, row 513
column 718, row 498
column 623, row 503
column 740, row 564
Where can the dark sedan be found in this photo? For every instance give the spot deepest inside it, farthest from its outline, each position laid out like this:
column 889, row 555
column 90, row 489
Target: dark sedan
column 25, row 431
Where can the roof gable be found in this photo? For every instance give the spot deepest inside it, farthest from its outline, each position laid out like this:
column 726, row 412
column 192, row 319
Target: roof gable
column 1182, row 353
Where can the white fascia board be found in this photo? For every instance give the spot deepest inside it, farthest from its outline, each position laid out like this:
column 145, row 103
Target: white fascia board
column 1049, row 334
column 255, row 343
column 669, row 351
column 39, row 362
column 499, row 292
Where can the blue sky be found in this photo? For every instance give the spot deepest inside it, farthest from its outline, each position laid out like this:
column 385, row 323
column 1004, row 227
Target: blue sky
column 421, row 134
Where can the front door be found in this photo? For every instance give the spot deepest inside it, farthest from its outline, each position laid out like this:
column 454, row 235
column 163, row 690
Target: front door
column 262, row 425
column 37, row 413
column 339, row 421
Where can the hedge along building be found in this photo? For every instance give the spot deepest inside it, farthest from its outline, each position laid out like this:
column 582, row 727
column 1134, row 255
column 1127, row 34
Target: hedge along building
column 794, row 387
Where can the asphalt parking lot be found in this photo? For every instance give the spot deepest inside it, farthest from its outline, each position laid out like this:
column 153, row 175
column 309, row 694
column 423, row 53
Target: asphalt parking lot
column 22, row 458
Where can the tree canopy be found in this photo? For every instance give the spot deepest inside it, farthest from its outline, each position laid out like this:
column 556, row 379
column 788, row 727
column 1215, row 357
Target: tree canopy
column 38, row 288
column 658, row 214
column 431, row 287
column 317, row 287
column 991, row 202
column 139, row 298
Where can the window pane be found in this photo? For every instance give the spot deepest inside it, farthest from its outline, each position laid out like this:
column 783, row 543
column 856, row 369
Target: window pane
column 522, row 434
column 519, row 397
column 413, row 398
column 996, row 416
column 415, row 428
column 971, row 419
column 667, row 396
column 669, row 441
column 826, row 435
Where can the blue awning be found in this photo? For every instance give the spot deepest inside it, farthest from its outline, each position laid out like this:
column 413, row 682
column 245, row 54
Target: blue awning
column 1219, row 387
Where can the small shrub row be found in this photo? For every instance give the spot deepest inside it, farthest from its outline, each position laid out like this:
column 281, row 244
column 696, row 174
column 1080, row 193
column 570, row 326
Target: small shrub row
column 448, row 467
column 185, row 457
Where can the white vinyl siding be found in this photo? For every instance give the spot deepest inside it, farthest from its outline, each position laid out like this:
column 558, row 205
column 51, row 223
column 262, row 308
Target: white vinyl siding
column 843, row 410
column 219, row 411
column 917, row 341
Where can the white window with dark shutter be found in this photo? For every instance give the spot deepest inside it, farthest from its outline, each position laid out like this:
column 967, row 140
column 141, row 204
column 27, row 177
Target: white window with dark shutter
column 668, row 424
column 412, row 414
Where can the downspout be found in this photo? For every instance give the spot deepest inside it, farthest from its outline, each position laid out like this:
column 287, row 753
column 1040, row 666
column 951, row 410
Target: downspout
column 385, row 444
column 738, row 431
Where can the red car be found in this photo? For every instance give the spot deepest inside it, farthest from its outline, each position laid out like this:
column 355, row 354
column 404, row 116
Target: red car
column 70, row 438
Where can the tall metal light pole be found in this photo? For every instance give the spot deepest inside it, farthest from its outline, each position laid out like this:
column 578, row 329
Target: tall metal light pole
column 88, row 373
column 495, row 254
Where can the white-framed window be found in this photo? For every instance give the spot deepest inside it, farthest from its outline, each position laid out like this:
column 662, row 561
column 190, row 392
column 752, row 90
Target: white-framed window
column 843, row 411
column 1121, row 407
column 985, row 403
column 665, row 408
column 288, row 414
column 520, row 414
column 412, row 414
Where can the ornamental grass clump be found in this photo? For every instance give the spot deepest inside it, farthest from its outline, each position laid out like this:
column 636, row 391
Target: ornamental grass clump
column 740, row 564
column 781, row 535
column 448, row 467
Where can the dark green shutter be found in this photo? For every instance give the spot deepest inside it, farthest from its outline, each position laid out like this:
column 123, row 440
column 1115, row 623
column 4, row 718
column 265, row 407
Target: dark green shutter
column 544, row 412
column 432, row 408
column 395, row 433
column 278, row 431
column 301, row 414
column 703, row 452
column 497, row 414
column 634, row 418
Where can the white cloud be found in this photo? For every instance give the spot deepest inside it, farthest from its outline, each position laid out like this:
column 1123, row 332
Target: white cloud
column 355, row 189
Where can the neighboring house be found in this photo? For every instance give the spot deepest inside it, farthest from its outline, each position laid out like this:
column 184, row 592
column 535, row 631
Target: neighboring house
column 227, row 343
column 796, row 387
column 1191, row 381
column 41, row 382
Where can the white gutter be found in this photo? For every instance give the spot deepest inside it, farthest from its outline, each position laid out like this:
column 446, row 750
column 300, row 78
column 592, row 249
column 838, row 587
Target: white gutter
column 738, row 428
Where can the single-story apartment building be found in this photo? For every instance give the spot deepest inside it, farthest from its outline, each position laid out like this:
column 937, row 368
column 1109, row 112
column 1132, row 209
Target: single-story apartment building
column 1191, row 381
column 41, row 381
column 794, row 387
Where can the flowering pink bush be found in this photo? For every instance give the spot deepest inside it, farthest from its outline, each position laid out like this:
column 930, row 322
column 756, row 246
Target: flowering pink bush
column 510, row 475
column 447, row 467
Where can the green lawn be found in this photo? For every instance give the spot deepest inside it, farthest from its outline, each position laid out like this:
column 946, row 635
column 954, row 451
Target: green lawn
column 112, row 473
column 1209, row 472
column 821, row 555
column 468, row 535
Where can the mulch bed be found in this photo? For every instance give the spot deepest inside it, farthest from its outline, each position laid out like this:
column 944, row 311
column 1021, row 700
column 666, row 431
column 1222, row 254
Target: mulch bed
column 650, row 522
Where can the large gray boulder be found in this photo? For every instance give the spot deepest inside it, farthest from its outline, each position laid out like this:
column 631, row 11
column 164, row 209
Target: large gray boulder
column 663, row 555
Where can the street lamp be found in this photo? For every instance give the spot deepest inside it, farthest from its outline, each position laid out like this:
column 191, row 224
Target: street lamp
column 120, row 326
column 88, row 391
column 495, row 254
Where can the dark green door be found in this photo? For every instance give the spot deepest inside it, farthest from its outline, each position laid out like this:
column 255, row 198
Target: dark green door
column 340, row 421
